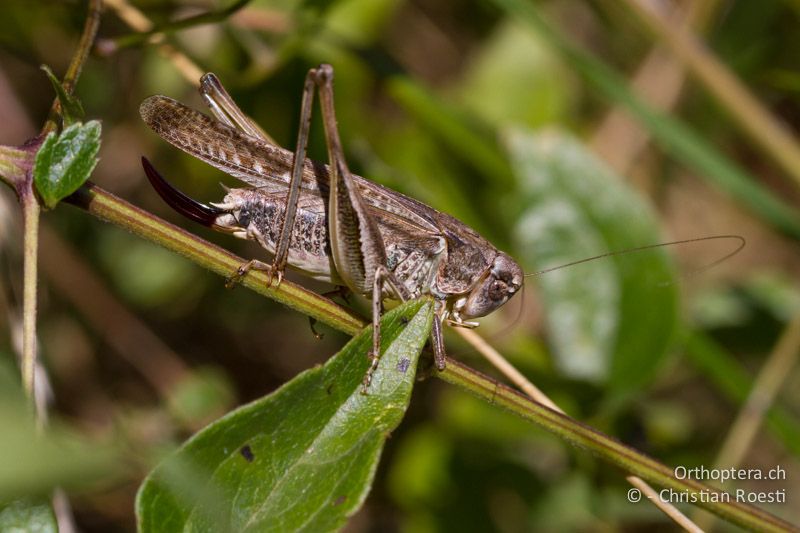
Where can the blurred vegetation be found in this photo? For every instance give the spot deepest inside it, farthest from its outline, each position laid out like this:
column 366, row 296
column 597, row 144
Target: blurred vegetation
column 475, row 108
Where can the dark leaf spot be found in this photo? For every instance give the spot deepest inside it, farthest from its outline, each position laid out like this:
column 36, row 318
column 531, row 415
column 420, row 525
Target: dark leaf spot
column 247, row 453
column 339, row 501
column 403, row 364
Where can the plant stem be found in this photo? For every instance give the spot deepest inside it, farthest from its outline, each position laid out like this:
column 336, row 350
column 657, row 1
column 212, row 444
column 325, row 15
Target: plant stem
column 30, row 219
column 201, row 19
column 119, row 212
column 90, row 27
column 146, row 225
column 608, row 448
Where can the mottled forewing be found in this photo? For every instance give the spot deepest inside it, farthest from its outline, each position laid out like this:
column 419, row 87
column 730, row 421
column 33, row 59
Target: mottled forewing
column 247, row 158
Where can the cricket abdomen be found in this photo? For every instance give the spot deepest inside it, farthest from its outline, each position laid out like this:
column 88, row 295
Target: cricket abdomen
column 256, row 215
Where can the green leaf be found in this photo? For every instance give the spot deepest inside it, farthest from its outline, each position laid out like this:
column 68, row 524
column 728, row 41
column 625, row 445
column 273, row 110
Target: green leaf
column 302, row 458
column 65, row 161
column 26, row 516
column 71, row 108
column 609, row 320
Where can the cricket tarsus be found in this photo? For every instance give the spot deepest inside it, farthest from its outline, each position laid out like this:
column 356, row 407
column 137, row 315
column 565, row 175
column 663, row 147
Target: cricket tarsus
column 331, row 224
column 312, row 322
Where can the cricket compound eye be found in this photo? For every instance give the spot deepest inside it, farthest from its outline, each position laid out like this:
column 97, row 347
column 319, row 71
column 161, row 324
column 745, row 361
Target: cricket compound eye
column 494, row 289
column 498, row 290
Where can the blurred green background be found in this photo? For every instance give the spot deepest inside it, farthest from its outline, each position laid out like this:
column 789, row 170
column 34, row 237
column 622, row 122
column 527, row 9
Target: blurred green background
column 558, row 129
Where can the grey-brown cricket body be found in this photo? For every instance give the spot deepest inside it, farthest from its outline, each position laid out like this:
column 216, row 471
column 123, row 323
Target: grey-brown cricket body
column 327, row 223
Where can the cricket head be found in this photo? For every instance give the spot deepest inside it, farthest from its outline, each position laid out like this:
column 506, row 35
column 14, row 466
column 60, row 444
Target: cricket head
column 496, row 287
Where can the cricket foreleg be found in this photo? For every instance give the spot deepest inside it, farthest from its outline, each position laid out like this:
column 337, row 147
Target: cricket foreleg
column 437, row 342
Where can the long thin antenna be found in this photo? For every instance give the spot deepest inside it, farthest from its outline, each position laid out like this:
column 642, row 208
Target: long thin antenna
column 739, row 238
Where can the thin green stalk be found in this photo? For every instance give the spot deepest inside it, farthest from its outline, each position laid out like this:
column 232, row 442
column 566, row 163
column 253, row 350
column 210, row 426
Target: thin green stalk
column 31, row 210
column 608, row 448
column 30, row 219
column 209, row 17
column 117, row 211
column 90, row 27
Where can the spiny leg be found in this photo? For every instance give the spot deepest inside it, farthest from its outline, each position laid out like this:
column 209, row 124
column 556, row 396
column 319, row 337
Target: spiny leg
column 357, row 247
column 292, row 197
column 382, row 276
column 377, row 310
column 437, row 342
column 225, row 109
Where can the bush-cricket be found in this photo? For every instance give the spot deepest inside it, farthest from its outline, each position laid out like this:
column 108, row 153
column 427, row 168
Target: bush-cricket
column 328, row 223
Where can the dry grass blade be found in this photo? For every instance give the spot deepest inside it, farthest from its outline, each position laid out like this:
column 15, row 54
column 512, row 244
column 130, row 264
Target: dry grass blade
column 774, row 139
column 751, row 415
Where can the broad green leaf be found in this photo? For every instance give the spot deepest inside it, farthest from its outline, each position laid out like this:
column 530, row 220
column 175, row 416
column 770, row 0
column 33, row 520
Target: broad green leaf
column 65, row 161
column 27, row 516
column 302, row 458
column 71, row 108
column 608, row 320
